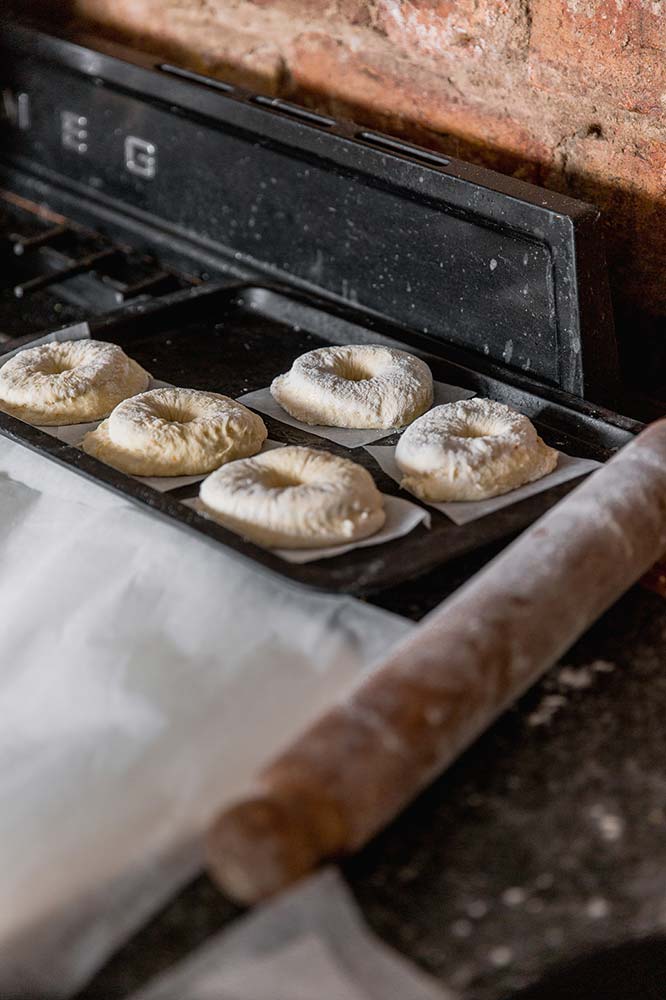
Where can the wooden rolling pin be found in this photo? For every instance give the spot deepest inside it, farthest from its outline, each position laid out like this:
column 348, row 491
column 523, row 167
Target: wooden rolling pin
column 362, row 762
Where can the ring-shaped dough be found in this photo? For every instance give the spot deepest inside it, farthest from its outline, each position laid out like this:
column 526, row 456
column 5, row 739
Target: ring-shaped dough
column 471, row 450
column 176, row 432
column 361, row 386
column 295, row 498
column 68, row 382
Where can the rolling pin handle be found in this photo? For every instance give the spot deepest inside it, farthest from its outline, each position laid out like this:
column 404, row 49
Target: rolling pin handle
column 270, row 840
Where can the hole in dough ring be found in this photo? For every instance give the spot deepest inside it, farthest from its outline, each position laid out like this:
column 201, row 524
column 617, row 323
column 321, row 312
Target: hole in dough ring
column 361, row 386
column 471, row 450
column 176, row 432
column 297, row 498
column 68, row 382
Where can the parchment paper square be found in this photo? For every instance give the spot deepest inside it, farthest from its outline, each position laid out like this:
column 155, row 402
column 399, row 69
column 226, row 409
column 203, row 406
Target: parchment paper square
column 262, row 401
column 402, row 516
column 463, row 512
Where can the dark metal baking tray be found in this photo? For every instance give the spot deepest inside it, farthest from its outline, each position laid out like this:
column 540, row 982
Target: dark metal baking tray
column 233, row 339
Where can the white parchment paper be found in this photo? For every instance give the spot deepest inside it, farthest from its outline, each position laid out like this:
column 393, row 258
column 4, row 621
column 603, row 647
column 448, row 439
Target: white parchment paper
column 70, row 433
column 144, row 676
column 79, row 331
column 262, row 401
column 402, row 516
column 462, row 512
column 165, row 483
column 309, row 944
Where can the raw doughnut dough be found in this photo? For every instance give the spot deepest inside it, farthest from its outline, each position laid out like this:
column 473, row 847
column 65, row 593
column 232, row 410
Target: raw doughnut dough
column 471, row 450
column 362, row 386
column 297, row 498
column 68, row 382
column 176, row 432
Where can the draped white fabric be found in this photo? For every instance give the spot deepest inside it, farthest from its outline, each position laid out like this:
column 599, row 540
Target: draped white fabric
column 144, row 676
column 310, row 943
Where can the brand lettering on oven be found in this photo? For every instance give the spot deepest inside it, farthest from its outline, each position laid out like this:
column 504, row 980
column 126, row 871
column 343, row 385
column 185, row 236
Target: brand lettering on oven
column 15, row 108
column 74, row 131
column 140, row 154
column 140, row 157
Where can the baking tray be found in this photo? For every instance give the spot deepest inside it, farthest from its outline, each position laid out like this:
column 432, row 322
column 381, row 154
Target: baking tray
column 236, row 338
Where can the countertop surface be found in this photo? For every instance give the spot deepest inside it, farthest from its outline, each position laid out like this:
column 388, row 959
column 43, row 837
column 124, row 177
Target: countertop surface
column 545, row 844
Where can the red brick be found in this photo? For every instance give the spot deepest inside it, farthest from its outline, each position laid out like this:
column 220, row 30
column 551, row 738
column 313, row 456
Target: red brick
column 623, row 171
column 371, row 86
column 479, row 28
column 194, row 34
column 610, row 50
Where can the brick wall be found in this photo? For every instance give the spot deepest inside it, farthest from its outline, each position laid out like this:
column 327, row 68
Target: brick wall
column 567, row 93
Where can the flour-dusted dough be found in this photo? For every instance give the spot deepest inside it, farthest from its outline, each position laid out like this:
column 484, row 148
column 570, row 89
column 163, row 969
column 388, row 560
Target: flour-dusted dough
column 296, row 498
column 471, row 450
column 360, row 386
column 176, row 432
column 68, row 382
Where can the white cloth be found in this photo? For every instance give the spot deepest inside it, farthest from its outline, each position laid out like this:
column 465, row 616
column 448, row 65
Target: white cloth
column 144, row 676
column 308, row 944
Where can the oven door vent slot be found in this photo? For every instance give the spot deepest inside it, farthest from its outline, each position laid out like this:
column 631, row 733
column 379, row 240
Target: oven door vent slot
column 187, row 74
column 406, row 148
column 295, row 110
